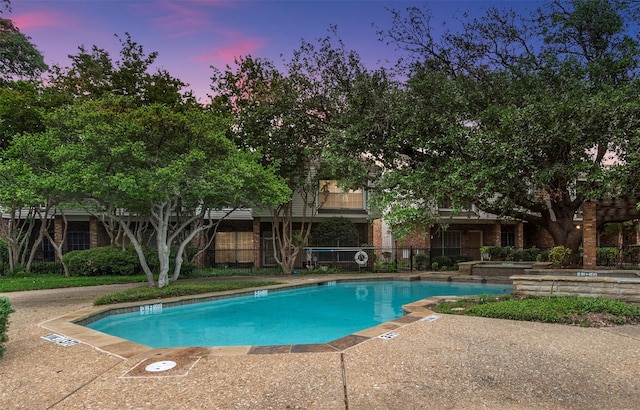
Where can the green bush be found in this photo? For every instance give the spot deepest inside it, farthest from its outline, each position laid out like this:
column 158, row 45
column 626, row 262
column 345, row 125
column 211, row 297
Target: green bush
column 421, row 261
column 151, row 255
column 498, row 253
column 336, row 231
column 114, row 261
column 442, row 261
column 607, row 256
column 102, row 261
column 456, row 259
column 558, row 255
column 543, row 256
column 54, row 268
column 559, row 309
column 4, row 257
column 507, row 253
column 526, row 255
column 5, row 310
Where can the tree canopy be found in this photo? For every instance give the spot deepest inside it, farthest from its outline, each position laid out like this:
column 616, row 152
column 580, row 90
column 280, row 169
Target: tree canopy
column 159, row 165
column 130, row 147
column 19, row 58
column 523, row 116
column 289, row 116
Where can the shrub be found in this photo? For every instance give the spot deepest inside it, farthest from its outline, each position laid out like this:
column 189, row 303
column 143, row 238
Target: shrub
column 384, row 266
column 498, row 253
column 526, row 255
column 607, row 256
column 5, row 310
column 442, row 261
column 107, row 260
column 186, row 269
column 543, row 256
column 558, row 255
column 151, row 255
column 54, row 268
column 421, row 261
column 336, row 231
column 456, row 259
column 4, row 257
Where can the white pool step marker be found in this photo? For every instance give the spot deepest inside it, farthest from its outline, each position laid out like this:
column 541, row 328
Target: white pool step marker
column 60, row 340
column 388, row 336
column 430, row 318
column 261, row 293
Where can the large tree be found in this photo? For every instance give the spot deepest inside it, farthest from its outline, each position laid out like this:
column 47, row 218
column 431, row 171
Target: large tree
column 35, row 189
column 143, row 152
column 154, row 164
column 288, row 115
column 523, row 116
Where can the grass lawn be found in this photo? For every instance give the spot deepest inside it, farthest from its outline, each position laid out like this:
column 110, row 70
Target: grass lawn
column 142, row 292
column 51, row 281
column 177, row 289
column 570, row 310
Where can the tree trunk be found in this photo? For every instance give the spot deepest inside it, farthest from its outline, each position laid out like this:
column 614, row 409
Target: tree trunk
column 59, row 248
column 136, row 245
column 16, row 232
column 164, row 257
column 565, row 233
column 287, row 242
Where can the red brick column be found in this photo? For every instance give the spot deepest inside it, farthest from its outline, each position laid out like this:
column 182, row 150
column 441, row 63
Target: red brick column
column 519, row 235
column 497, row 234
column 376, row 239
column 589, row 235
column 93, row 232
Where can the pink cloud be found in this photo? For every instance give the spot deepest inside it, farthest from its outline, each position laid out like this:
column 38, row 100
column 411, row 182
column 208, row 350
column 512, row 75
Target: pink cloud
column 176, row 19
column 38, row 19
column 237, row 48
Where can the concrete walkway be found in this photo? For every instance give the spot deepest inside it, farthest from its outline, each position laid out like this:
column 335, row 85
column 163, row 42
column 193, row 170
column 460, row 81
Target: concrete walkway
column 453, row 362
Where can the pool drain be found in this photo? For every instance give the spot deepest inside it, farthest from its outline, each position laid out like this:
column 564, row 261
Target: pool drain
column 160, row 366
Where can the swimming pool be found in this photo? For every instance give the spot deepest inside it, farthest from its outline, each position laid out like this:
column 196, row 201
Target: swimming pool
column 308, row 315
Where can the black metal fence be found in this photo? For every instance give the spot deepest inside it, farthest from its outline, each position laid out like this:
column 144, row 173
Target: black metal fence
column 367, row 259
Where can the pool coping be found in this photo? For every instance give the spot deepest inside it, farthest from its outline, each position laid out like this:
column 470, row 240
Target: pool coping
column 72, row 325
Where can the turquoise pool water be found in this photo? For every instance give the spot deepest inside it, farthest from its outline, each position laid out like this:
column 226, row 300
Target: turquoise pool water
column 314, row 314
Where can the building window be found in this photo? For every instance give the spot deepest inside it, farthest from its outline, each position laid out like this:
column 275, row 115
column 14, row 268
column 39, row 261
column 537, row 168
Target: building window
column 48, row 251
column 333, row 197
column 77, row 241
column 234, row 247
column 448, row 243
column 452, row 240
column 507, row 239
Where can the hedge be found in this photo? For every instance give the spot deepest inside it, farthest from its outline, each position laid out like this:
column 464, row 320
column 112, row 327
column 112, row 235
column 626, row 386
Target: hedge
column 5, row 310
column 102, row 261
column 114, row 261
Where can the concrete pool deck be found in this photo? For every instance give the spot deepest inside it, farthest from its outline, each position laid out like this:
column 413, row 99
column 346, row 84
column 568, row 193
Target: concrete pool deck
column 452, row 362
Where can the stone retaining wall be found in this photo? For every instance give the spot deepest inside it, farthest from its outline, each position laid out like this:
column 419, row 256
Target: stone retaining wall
column 624, row 289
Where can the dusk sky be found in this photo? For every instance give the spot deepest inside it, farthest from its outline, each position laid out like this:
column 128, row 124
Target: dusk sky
column 192, row 35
